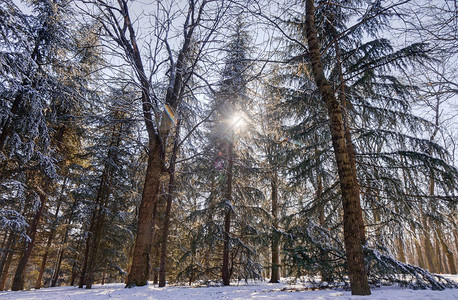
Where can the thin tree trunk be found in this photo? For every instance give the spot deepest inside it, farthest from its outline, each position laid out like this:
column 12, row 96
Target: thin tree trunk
column 418, row 248
column 18, row 281
column 171, row 191
column 226, row 275
column 428, row 246
column 94, row 248
column 50, row 238
column 89, row 241
column 43, row 261
column 275, row 276
column 438, row 257
column 448, row 253
column 7, row 248
column 348, row 182
column 60, row 256
column 400, row 249
column 6, row 261
column 350, row 148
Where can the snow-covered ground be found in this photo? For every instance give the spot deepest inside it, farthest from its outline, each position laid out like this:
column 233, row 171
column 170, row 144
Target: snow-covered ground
column 260, row 290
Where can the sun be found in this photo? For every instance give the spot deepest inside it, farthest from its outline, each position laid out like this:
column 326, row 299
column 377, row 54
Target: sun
column 236, row 121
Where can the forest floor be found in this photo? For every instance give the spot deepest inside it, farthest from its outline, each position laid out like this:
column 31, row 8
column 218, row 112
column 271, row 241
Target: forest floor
column 258, row 290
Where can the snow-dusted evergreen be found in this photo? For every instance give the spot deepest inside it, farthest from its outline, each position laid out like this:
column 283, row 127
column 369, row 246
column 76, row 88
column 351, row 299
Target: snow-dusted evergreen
column 278, row 147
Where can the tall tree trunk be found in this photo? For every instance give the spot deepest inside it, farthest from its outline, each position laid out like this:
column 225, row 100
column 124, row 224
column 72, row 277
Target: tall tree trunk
column 94, row 248
column 400, row 249
column 325, row 274
column 86, row 253
column 7, row 248
column 50, row 238
column 225, row 272
column 139, row 270
column 7, row 259
column 18, row 281
column 448, row 252
column 348, row 182
column 275, row 242
column 171, row 191
column 428, row 245
column 350, row 147
column 438, row 257
column 60, row 256
column 157, row 137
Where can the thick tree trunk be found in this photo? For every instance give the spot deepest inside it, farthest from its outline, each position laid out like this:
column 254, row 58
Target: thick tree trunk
column 139, row 271
column 225, row 272
column 18, row 281
column 348, row 182
column 275, row 243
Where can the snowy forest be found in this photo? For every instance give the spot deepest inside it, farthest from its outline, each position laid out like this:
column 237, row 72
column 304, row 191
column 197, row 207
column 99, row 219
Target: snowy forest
column 213, row 142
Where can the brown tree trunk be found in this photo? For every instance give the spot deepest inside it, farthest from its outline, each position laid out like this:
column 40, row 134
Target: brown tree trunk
column 18, row 281
column 157, row 137
column 171, row 187
column 225, row 272
column 438, row 256
column 326, row 276
column 43, row 261
column 348, row 182
column 275, row 242
column 94, row 248
column 400, row 249
column 421, row 261
column 50, row 238
column 60, row 256
column 86, row 253
column 428, row 247
column 7, row 248
column 350, row 148
column 7, row 259
column 448, row 253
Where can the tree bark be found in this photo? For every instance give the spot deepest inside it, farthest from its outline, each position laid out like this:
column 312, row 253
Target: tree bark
column 50, row 238
column 348, row 182
column 171, row 191
column 275, row 275
column 139, row 271
column 60, row 256
column 86, row 252
column 225, row 272
column 448, row 253
column 350, row 148
column 18, row 281
column 6, row 260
